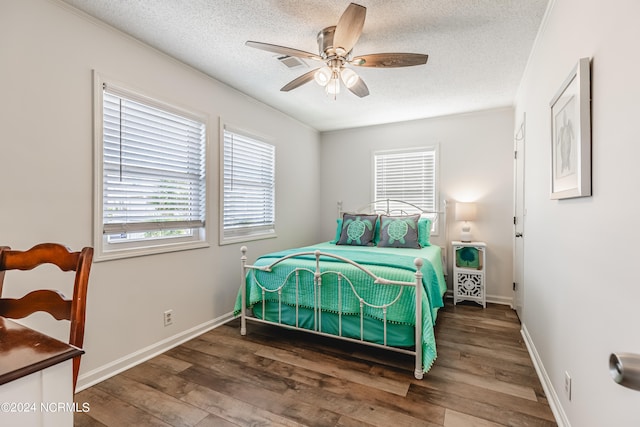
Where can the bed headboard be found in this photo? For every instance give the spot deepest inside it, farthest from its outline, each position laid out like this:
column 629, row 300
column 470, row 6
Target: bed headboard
column 400, row 207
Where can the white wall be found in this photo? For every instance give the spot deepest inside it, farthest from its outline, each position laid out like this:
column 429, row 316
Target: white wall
column 48, row 53
column 581, row 288
column 476, row 164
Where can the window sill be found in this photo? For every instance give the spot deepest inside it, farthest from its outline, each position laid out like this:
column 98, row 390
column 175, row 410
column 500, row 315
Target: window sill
column 247, row 238
column 108, row 255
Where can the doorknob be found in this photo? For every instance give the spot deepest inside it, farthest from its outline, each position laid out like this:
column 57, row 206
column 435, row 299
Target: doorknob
column 518, row 234
column 625, row 369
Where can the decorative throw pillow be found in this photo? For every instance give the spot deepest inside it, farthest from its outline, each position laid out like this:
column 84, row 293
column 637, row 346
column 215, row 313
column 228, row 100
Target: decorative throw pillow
column 399, row 231
column 357, row 230
column 338, row 231
column 424, row 232
column 376, row 232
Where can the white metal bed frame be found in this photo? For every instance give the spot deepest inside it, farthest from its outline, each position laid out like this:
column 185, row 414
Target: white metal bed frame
column 317, row 290
column 318, row 275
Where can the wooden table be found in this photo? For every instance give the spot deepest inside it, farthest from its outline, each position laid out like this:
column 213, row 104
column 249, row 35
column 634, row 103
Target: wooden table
column 36, row 378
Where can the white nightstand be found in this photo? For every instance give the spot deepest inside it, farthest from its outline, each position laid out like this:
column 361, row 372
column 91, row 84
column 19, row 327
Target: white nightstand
column 469, row 268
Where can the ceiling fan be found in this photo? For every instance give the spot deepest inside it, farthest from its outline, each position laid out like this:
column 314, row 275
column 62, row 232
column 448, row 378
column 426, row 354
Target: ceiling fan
column 335, row 45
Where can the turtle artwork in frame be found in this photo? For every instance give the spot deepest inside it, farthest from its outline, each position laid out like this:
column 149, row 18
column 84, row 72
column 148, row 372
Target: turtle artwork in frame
column 571, row 135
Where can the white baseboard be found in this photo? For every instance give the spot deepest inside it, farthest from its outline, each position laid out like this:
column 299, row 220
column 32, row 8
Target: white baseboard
column 549, row 391
column 102, row 373
column 494, row 299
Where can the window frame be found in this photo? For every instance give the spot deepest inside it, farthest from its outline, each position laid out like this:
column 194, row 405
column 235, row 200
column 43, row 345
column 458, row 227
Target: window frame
column 435, row 149
column 105, row 250
column 259, row 233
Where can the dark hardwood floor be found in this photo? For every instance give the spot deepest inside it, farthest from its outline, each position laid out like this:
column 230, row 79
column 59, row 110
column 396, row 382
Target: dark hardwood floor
column 483, row 377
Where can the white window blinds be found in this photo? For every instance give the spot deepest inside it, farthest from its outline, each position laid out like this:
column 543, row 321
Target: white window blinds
column 248, row 186
column 407, row 175
column 153, row 166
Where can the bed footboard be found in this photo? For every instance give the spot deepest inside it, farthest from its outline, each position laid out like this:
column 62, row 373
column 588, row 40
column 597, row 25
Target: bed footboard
column 322, row 272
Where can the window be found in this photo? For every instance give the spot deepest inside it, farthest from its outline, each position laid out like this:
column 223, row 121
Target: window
column 248, row 188
column 150, row 175
column 407, row 175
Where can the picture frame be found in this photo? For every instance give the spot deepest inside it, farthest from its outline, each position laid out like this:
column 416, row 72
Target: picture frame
column 571, row 135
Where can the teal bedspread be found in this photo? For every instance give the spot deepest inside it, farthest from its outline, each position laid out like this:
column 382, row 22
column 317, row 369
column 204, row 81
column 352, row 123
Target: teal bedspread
column 388, row 263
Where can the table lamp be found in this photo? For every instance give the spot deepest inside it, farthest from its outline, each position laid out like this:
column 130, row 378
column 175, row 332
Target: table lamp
column 465, row 212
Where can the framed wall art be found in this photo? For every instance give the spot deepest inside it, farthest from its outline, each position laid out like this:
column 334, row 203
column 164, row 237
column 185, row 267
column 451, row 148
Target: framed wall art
column 571, row 135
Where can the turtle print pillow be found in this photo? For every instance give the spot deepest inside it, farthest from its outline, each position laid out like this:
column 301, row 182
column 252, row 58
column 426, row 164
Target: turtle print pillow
column 399, row 231
column 357, row 230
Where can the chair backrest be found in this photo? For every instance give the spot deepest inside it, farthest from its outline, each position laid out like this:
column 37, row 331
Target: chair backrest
column 50, row 301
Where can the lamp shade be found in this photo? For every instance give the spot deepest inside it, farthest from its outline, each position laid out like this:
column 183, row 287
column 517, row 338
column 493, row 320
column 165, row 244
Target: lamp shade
column 349, row 77
column 322, row 76
column 465, row 211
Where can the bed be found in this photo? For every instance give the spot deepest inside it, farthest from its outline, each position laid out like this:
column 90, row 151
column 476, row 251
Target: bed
column 373, row 285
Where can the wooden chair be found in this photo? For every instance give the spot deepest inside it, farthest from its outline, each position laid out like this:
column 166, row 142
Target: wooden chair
column 50, row 301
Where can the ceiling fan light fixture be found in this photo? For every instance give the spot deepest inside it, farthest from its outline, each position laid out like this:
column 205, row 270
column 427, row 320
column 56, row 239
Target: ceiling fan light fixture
column 333, row 87
column 322, row 76
column 349, row 77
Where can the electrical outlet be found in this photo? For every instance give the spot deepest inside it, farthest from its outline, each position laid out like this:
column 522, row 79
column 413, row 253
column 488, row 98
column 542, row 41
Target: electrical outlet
column 567, row 385
column 168, row 317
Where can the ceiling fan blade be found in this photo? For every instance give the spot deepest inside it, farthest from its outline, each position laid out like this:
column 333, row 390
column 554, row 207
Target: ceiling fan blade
column 305, row 78
column 284, row 50
column 390, row 60
column 349, row 27
column 360, row 88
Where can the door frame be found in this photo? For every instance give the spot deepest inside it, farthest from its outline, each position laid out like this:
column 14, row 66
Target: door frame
column 519, row 213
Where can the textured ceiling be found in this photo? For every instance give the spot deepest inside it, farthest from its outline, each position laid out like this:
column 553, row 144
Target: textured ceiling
column 478, row 50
